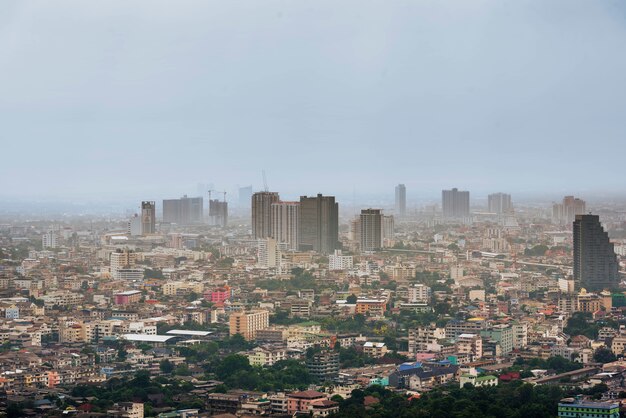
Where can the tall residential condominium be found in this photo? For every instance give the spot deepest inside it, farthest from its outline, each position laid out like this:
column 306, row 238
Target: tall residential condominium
column 268, row 253
column 245, row 194
column 183, row 211
column 218, row 212
column 371, row 221
column 319, row 224
column 500, row 203
column 286, row 223
column 262, row 213
column 247, row 324
column 595, row 261
column 455, row 203
column 148, row 217
column 401, row 200
column 388, row 229
column 564, row 213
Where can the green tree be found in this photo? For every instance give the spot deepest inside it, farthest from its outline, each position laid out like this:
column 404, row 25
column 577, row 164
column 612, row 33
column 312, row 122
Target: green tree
column 604, row 355
column 166, row 366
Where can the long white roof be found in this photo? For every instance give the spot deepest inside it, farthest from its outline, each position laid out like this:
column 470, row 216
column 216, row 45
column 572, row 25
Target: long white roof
column 147, row 338
column 189, row 332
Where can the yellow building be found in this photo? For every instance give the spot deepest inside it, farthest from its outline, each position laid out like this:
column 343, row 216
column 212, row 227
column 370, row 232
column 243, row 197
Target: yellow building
column 248, row 323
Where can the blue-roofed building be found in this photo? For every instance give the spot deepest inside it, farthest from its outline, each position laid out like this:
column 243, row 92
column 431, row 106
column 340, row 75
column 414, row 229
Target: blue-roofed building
column 428, row 376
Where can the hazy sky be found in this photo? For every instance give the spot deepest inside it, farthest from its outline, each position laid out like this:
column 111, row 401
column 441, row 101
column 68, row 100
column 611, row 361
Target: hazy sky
column 148, row 98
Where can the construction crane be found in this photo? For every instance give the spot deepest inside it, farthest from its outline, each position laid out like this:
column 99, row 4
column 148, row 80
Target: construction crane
column 265, row 182
column 216, row 191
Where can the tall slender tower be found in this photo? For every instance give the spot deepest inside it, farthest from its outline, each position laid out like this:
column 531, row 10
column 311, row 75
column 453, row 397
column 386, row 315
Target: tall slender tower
column 286, row 223
column 148, row 217
column 401, row 200
column 262, row 213
column 371, row 221
column 595, row 262
column 319, row 224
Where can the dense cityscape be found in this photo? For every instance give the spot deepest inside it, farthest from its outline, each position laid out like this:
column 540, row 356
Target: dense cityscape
column 312, row 208
column 288, row 308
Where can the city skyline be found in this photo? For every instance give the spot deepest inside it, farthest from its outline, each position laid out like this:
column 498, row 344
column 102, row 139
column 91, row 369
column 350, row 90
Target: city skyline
column 169, row 249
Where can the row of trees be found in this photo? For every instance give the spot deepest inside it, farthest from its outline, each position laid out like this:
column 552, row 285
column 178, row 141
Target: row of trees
column 514, row 400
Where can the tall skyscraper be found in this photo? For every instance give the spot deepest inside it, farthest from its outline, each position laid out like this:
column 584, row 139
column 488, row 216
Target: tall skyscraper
column 595, row 262
column 564, row 213
column 218, row 212
column 371, row 221
column 401, row 200
column 245, row 194
column 319, row 224
column 286, row 223
column 262, row 213
column 148, row 217
column 500, row 203
column 455, row 203
column 388, row 229
column 183, row 211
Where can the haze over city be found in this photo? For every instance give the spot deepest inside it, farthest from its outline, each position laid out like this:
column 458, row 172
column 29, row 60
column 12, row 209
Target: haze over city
column 121, row 100
column 312, row 208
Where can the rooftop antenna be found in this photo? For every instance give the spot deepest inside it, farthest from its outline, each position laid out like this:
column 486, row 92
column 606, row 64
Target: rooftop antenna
column 265, row 182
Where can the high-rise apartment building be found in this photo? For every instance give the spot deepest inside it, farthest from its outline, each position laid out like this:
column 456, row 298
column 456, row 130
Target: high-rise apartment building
column 564, row 213
column 134, row 225
column 49, row 240
column 248, row 323
column 148, row 217
column 388, row 229
column 319, row 224
column 401, row 200
column 268, row 253
column 121, row 260
column 500, row 203
column 183, row 211
column 262, row 213
column 218, row 212
column 595, row 261
column 371, row 221
column 455, row 203
column 286, row 223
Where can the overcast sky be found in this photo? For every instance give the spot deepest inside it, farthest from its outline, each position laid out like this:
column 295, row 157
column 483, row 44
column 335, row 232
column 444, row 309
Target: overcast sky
column 148, row 98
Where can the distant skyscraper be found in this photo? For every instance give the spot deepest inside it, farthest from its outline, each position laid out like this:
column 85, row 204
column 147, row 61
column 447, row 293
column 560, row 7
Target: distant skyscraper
column 245, row 194
column 500, row 203
column 401, row 200
column 564, row 213
column 371, row 228
column 218, row 212
column 455, row 203
column 388, row 228
column 183, row 211
column 319, row 224
column 148, row 217
column 286, row 223
column 595, row 262
column 262, row 213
